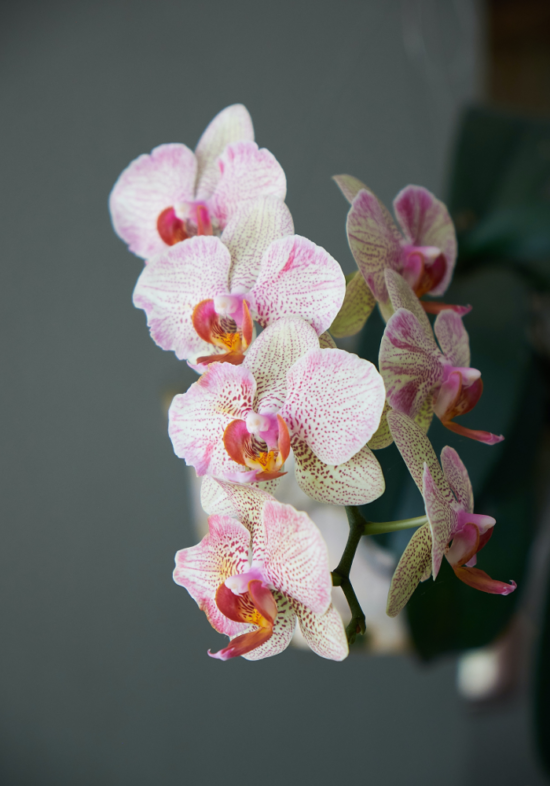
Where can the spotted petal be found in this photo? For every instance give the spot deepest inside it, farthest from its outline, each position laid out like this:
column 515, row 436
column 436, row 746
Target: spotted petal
column 283, row 630
column 356, row 308
column 349, row 186
column 402, row 296
column 246, row 173
column 324, row 633
column 222, row 553
column 232, row 124
column 457, row 477
column 453, row 338
column 413, row 567
column 441, row 516
column 254, row 225
column 357, row 481
column 334, row 403
column 199, row 417
column 374, row 240
column 297, row 278
column 149, row 185
column 173, row 283
column 425, row 221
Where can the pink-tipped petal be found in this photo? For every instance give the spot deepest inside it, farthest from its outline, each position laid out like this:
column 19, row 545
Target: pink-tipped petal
column 402, row 296
column 416, row 450
column 222, row 553
column 272, row 354
column 442, row 519
column 297, row 278
column 453, row 338
column 282, row 630
column 254, row 225
column 355, row 482
column 374, row 240
column 294, row 556
column 478, row 579
column 198, row 418
column 357, row 307
column 457, row 477
column 410, row 364
column 425, row 221
column 246, row 173
column 232, row 124
column 324, row 633
column 149, row 185
column 171, row 286
column 414, row 566
column 334, row 403
column 349, row 186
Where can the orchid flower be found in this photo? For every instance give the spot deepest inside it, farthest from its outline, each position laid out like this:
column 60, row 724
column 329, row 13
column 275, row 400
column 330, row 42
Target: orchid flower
column 258, row 570
column 453, row 530
column 419, row 377
column 423, row 252
column 240, row 422
column 202, row 296
column 172, row 193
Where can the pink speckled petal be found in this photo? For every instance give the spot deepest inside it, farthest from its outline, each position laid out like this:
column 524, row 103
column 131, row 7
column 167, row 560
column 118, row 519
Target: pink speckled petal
column 349, row 186
column 283, row 630
column 355, row 482
column 173, row 283
column 416, row 450
column 402, row 296
column 294, row 556
column 334, row 403
column 255, row 224
column 272, row 354
column 442, row 519
column 324, row 633
column 232, row 124
column 453, row 338
column 457, row 478
column 374, row 240
column 357, row 307
column 414, row 566
column 246, row 173
column 244, row 502
column 410, row 364
column 425, row 221
column 201, row 569
column 199, row 417
column 297, row 279
column 149, row 185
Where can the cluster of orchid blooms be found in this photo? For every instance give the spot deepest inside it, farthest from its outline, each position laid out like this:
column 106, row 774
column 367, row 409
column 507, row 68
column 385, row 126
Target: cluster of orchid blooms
column 221, row 262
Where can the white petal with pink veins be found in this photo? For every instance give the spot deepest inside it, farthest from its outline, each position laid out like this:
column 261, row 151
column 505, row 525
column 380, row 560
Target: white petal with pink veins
column 453, row 338
column 358, row 481
column 246, row 173
column 149, row 185
column 283, row 630
column 222, row 553
column 232, row 124
column 297, row 278
column 334, row 403
column 255, row 224
column 272, row 354
column 324, row 633
column 294, row 556
column 198, row 418
column 173, row 283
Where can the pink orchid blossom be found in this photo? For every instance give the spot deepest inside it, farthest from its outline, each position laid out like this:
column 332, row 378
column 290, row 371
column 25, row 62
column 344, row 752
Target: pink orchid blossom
column 423, row 252
column 419, row 377
column 453, row 530
column 240, row 422
column 172, row 194
column 258, row 570
column 202, row 296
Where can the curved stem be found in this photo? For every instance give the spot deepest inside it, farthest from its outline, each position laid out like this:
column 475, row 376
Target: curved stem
column 380, row 527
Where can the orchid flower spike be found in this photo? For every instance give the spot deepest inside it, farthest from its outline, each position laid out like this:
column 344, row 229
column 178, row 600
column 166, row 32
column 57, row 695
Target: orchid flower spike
column 257, row 571
column 202, row 296
column 423, row 252
column 420, row 378
column 239, row 423
column 172, row 193
column 453, row 530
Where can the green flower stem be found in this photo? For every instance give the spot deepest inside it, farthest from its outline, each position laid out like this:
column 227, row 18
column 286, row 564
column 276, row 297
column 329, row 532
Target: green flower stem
column 358, row 527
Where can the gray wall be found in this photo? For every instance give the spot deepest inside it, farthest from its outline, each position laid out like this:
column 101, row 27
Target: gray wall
column 104, row 676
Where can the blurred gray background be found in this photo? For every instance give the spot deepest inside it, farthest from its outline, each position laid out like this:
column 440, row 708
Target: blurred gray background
column 104, row 675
